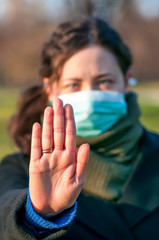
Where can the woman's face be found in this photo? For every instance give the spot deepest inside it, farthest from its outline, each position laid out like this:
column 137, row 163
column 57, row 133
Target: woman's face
column 92, row 68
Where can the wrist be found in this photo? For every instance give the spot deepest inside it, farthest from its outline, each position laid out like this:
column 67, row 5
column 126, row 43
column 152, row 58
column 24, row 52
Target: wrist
column 44, row 210
column 61, row 220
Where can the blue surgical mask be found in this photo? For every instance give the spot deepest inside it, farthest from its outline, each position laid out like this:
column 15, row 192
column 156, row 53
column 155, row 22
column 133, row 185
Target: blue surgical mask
column 95, row 111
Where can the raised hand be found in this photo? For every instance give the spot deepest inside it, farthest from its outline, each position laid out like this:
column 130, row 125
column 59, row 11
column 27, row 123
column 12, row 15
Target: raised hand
column 56, row 178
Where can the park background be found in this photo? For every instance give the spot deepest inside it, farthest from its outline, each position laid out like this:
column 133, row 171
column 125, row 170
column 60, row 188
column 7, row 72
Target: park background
column 26, row 24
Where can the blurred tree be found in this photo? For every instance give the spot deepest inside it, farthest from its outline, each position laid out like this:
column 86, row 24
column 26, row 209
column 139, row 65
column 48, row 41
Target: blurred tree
column 29, row 22
column 106, row 9
column 23, row 14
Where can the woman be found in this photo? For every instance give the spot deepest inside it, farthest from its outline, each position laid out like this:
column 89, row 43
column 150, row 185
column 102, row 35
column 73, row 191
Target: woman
column 85, row 71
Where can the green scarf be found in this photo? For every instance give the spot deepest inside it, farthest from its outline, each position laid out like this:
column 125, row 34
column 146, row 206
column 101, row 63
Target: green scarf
column 113, row 154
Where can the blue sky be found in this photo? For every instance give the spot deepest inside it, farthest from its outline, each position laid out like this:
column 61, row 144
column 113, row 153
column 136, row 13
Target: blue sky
column 2, row 6
column 148, row 8
column 50, row 6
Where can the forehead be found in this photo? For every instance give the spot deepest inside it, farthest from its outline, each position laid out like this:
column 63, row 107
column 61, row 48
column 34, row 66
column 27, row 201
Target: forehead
column 92, row 59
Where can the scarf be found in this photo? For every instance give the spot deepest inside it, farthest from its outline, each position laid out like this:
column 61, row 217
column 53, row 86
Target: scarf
column 113, row 154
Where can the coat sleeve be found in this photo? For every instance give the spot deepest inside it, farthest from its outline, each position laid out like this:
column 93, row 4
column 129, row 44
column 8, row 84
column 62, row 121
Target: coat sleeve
column 14, row 179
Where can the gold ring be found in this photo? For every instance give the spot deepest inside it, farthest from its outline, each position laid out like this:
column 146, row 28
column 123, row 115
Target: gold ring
column 47, row 150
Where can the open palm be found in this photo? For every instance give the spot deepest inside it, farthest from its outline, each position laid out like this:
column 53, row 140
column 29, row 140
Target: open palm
column 56, row 178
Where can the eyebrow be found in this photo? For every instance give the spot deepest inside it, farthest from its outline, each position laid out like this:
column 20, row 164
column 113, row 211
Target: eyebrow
column 71, row 79
column 79, row 79
column 104, row 75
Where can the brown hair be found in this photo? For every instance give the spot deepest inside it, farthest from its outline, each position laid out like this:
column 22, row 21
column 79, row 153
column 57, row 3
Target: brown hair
column 31, row 105
column 67, row 39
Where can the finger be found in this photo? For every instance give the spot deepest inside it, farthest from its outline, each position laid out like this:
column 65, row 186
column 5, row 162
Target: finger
column 58, row 124
column 70, row 129
column 47, row 132
column 36, row 142
column 82, row 161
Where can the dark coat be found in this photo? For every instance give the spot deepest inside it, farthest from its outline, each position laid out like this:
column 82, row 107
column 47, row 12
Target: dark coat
column 134, row 216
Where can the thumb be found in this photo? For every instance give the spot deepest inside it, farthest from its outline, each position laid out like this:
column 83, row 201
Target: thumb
column 82, row 161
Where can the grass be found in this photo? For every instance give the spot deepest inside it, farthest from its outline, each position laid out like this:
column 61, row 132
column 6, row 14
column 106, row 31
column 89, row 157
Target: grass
column 8, row 99
column 148, row 99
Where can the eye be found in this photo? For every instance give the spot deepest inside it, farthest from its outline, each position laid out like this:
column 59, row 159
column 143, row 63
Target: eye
column 105, row 81
column 105, row 84
column 72, row 85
